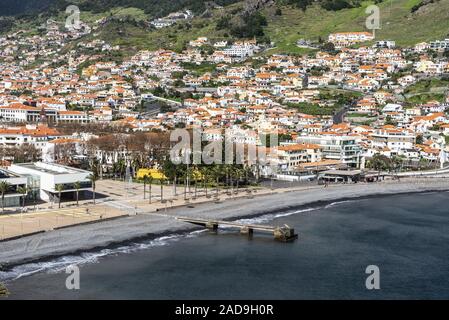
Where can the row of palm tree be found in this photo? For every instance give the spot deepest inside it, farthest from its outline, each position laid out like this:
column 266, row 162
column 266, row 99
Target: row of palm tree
column 77, row 186
column 148, row 180
column 231, row 175
column 5, row 186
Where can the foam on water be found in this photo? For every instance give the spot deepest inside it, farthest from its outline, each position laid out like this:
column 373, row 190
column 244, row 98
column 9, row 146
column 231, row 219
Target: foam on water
column 61, row 263
column 332, row 204
column 270, row 217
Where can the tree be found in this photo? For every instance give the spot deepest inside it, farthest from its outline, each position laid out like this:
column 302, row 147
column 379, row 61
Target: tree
column 150, row 182
column 77, row 186
column 30, row 190
column 389, row 121
column 145, row 180
column 4, row 187
column 162, row 180
column 419, row 139
column 328, row 47
column 23, row 191
column 380, row 162
column 59, row 188
column 93, row 178
column 205, row 175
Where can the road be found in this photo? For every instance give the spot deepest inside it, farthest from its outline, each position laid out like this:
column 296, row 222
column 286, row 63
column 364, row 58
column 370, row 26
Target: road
column 340, row 115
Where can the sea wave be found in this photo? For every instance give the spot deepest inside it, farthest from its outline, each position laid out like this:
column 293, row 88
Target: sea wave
column 60, row 264
column 270, row 217
column 332, row 204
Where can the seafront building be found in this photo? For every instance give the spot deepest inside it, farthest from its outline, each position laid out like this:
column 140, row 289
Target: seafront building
column 14, row 181
column 45, row 177
column 337, row 147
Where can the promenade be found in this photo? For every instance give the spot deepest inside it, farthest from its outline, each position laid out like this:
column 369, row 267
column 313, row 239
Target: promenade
column 113, row 199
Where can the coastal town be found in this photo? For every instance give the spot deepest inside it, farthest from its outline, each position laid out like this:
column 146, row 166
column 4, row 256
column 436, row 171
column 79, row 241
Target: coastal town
column 225, row 149
column 355, row 109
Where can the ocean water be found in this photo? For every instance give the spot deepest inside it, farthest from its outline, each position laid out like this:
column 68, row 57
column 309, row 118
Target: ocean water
column 406, row 236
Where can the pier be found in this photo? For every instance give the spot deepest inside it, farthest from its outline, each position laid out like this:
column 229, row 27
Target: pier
column 284, row 233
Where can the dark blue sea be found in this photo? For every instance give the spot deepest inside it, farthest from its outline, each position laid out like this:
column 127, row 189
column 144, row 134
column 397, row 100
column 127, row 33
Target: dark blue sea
column 405, row 236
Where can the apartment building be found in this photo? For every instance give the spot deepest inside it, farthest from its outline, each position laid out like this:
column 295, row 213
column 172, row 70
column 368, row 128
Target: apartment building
column 345, row 39
column 290, row 156
column 336, row 147
column 393, row 139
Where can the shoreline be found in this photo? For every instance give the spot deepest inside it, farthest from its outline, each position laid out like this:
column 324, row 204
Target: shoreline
column 149, row 226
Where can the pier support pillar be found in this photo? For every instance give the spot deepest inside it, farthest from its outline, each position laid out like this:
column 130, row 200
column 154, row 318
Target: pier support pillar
column 247, row 231
column 212, row 226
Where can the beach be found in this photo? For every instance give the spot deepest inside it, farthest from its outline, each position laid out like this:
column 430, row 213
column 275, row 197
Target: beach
column 155, row 224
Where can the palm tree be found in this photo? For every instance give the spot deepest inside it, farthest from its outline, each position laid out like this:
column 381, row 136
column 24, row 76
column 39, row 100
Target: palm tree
column 205, row 177
column 175, row 181
column 122, row 168
column 93, row 178
column 162, row 180
column 150, row 182
column 30, row 190
column 196, row 186
column 4, row 187
column 59, row 188
column 238, row 173
column 23, row 191
column 186, row 175
column 145, row 180
column 216, row 175
column 77, row 186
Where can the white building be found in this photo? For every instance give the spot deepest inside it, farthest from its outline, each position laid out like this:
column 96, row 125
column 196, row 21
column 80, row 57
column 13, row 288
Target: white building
column 15, row 181
column 242, row 49
column 344, row 39
column 394, row 139
column 440, row 45
column 336, row 147
column 47, row 176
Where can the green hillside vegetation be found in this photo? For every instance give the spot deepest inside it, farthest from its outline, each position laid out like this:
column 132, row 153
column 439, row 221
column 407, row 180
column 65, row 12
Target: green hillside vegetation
column 281, row 23
column 427, row 90
column 397, row 23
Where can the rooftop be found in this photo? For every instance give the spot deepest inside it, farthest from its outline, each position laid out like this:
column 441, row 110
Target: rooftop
column 54, row 169
column 4, row 174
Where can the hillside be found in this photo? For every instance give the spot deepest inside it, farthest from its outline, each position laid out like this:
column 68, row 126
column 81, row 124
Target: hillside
column 14, row 7
column 398, row 23
column 153, row 8
column 282, row 22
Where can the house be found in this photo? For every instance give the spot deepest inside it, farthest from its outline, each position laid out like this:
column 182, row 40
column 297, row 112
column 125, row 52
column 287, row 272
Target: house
column 290, row 156
column 392, row 138
column 345, row 39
